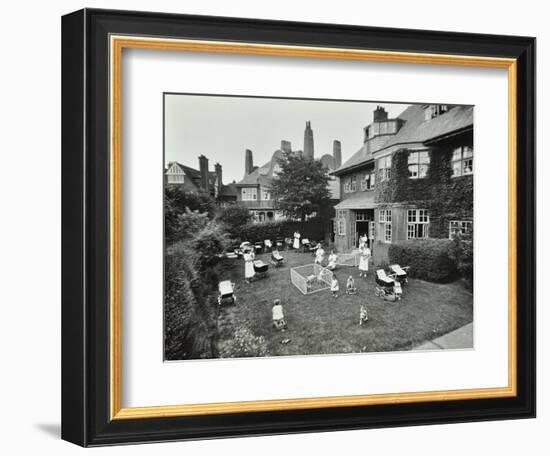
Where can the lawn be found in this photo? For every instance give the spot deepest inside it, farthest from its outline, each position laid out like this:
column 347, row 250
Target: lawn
column 321, row 324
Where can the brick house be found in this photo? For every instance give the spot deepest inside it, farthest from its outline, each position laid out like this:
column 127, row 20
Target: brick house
column 201, row 180
column 253, row 191
column 412, row 178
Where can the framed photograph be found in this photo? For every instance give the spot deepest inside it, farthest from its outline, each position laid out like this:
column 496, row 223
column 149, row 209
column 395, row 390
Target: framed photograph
column 280, row 227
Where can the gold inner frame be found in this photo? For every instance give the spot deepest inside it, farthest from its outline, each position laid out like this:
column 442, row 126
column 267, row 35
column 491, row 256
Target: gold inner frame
column 117, row 44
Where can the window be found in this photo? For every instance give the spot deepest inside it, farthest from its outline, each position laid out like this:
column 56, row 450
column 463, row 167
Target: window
column 432, row 111
column 176, row 178
column 361, row 216
column 367, row 183
column 461, row 227
column 418, row 162
column 463, row 161
column 249, row 194
column 384, row 218
column 265, row 194
column 384, row 168
column 418, row 222
column 350, row 185
column 341, row 222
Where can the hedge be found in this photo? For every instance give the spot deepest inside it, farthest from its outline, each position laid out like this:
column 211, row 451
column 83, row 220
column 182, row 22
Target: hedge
column 313, row 229
column 428, row 259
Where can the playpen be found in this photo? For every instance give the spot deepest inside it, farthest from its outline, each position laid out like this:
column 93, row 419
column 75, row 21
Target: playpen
column 311, row 278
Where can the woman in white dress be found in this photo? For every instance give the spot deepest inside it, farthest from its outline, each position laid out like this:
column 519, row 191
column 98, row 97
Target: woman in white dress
column 248, row 265
column 296, row 240
column 364, row 262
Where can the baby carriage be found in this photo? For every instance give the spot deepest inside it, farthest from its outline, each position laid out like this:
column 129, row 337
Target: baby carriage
column 276, row 258
column 385, row 285
column 260, row 268
column 268, row 245
column 400, row 273
column 258, row 247
column 226, row 289
column 280, row 243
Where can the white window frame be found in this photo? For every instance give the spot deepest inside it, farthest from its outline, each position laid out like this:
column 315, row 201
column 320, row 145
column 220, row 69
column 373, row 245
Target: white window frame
column 460, row 226
column 265, row 194
column 418, row 223
column 384, row 168
column 367, row 183
column 176, row 178
column 417, row 159
column 385, row 221
column 462, row 160
column 247, row 195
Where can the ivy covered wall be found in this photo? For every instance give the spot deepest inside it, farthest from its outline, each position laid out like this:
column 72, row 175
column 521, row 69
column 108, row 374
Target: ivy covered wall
column 447, row 198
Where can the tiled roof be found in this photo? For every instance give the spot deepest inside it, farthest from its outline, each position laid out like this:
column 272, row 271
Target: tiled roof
column 229, row 190
column 416, row 130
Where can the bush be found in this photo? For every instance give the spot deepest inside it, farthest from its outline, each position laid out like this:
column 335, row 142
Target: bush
column 244, row 345
column 313, row 229
column 429, row 259
column 190, row 311
column 234, row 217
column 462, row 252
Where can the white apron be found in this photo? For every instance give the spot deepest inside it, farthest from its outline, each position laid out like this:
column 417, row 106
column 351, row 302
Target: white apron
column 296, row 241
column 248, row 266
column 364, row 260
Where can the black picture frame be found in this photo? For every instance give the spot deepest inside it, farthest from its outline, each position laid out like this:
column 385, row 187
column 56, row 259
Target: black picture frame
column 85, row 225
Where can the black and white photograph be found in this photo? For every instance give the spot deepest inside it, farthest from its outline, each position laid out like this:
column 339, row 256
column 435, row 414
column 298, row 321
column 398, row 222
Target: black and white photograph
column 298, row 227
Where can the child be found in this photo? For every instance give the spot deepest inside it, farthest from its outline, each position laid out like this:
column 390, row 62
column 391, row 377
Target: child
column 334, row 287
column 363, row 316
column 332, row 259
column 278, row 315
column 350, row 286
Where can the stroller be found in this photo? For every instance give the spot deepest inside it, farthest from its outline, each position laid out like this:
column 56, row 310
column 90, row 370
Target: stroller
column 226, row 288
column 280, row 244
column 276, row 258
column 385, row 285
column 260, row 269
column 258, row 247
column 400, row 273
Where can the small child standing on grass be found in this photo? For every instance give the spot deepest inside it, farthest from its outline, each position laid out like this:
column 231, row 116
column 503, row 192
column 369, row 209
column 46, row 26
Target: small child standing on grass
column 278, row 315
column 334, row 287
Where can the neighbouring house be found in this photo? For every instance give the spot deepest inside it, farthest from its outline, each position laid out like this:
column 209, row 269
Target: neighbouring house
column 253, row 190
column 411, row 179
column 201, row 180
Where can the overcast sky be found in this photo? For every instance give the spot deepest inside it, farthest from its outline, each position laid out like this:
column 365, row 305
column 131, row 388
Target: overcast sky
column 222, row 128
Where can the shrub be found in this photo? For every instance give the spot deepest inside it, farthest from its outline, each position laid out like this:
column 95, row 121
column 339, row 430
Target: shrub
column 429, row 259
column 244, row 345
column 462, row 252
column 234, row 217
column 190, row 311
column 258, row 232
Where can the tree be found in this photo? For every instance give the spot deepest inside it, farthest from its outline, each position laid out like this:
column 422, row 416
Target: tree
column 301, row 186
column 234, row 217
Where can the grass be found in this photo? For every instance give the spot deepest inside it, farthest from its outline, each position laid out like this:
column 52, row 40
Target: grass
column 321, row 324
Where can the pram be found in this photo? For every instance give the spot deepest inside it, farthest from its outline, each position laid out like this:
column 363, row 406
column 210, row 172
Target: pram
column 400, row 273
column 260, row 268
column 385, row 284
column 268, row 245
column 226, row 289
column 258, row 247
column 276, row 258
column 280, row 243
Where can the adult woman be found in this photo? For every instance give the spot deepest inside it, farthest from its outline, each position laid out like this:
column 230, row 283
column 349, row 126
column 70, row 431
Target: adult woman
column 296, row 240
column 364, row 261
column 319, row 254
column 248, row 257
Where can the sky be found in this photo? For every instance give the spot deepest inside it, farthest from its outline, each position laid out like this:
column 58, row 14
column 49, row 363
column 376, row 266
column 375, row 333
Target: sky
column 222, row 128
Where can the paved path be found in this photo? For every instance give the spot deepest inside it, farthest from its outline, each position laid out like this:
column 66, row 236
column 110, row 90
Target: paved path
column 459, row 338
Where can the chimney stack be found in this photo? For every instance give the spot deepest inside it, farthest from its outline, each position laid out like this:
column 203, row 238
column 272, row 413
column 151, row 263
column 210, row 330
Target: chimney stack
column 308, row 141
column 286, row 146
column 218, row 169
column 380, row 114
column 203, row 166
column 248, row 162
column 337, row 153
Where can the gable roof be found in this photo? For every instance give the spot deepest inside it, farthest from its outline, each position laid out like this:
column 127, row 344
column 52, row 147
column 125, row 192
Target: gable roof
column 415, row 130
